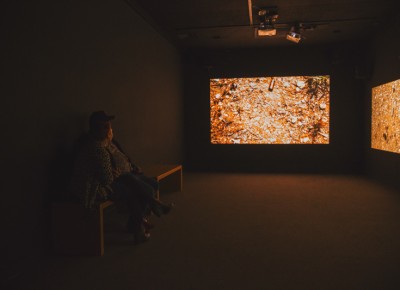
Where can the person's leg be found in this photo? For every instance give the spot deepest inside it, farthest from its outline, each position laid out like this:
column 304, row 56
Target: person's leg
column 124, row 198
column 145, row 188
column 150, row 181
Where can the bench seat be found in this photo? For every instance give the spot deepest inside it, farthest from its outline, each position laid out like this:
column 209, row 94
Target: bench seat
column 75, row 232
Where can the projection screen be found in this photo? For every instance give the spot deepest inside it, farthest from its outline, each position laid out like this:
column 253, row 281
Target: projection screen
column 270, row 110
column 385, row 117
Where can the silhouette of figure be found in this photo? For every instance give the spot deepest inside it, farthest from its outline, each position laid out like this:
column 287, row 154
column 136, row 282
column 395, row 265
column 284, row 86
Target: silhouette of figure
column 103, row 171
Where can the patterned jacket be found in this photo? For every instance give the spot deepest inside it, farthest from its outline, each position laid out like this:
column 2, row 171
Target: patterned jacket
column 92, row 174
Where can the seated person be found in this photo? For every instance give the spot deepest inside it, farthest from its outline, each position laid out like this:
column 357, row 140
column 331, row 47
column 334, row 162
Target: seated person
column 103, row 171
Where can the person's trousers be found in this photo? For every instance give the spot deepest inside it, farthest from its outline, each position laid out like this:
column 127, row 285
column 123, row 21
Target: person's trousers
column 136, row 192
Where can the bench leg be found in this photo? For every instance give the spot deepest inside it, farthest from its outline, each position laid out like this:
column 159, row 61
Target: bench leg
column 75, row 232
column 171, row 183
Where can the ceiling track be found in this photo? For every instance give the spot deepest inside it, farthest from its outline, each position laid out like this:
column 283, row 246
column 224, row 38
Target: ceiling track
column 283, row 25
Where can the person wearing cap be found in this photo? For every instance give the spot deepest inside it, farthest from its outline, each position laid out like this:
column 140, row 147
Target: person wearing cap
column 103, row 171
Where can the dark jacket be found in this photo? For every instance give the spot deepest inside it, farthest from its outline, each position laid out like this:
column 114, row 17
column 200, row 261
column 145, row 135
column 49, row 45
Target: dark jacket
column 92, row 174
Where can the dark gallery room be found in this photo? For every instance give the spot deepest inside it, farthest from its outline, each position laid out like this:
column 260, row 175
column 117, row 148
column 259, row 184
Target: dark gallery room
column 261, row 144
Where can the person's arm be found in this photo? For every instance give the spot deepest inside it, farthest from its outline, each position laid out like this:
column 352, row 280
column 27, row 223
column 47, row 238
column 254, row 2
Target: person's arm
column 135, row 169
column 103, row 166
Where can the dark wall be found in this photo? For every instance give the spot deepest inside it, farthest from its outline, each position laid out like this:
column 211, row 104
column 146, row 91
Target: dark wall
column 385, row 53
column 343, row 154
column 61, row 60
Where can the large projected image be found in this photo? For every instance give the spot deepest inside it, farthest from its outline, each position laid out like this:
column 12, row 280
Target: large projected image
column 385, row 121
column 270, row 110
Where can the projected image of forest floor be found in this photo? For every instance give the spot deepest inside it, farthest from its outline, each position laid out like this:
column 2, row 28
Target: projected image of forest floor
column 270, row 110
column 385, row 125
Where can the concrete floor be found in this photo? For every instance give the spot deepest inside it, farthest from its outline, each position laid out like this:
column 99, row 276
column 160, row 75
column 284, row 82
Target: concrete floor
column 248, row 231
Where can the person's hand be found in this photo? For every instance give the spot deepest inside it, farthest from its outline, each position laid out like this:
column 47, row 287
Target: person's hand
column 137, row 170
column 116, row 172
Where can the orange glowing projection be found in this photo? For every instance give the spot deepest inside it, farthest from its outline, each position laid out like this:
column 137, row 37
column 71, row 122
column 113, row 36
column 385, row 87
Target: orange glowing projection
column 385, row 121
column 270, row 110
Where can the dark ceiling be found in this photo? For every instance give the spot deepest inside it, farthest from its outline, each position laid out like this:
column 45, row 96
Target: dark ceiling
column 229, row 23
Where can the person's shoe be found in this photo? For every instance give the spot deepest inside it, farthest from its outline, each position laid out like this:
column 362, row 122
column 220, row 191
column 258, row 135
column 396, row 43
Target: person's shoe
column 147, row 225
column 160, row 208
column 167, row 208
column 141, row 237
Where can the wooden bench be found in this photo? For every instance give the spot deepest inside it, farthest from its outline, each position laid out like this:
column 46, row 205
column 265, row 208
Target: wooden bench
column 160, row 172
column 75, row 232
